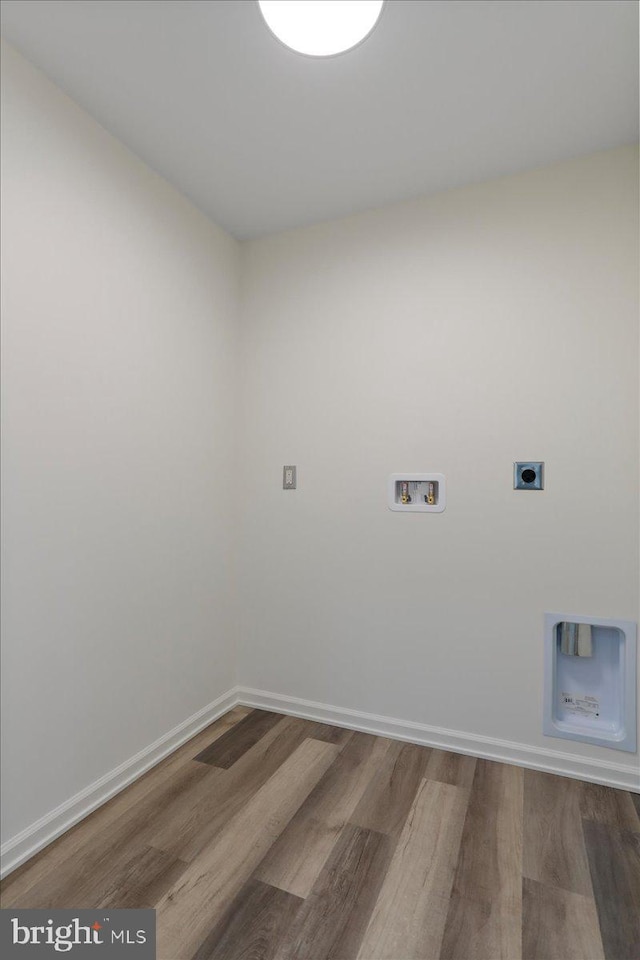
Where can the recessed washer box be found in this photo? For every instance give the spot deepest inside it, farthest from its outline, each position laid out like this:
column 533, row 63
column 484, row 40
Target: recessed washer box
column 590, row 680
column 417, row 492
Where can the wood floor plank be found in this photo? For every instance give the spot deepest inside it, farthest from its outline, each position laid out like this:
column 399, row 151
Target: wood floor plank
column 296, row 859
column 331, row 922
column 554, row 850
column 454, row 768
column 181, row 807
column 191, row 825
column 227, row 749
column 46, row 863
column 109, row 853
column 187, row 912
column 614, row 858
column 606, row 805
column 198, row 812
column 484, row 919
column 387, row 801
column 129, row 876
column 253, row 927
column 148, row 875
column 558, row 925
column 308, row 836
column 330, row 733
column 409, row 916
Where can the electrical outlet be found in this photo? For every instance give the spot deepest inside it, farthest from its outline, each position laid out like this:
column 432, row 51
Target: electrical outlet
column 528, row 475
column 288, row 478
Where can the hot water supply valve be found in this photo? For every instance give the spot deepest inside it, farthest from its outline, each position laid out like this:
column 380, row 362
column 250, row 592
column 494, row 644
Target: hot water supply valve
column 417, row 492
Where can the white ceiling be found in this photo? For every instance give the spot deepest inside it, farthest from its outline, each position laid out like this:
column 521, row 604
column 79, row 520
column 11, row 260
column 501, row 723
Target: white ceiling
column 443, row 92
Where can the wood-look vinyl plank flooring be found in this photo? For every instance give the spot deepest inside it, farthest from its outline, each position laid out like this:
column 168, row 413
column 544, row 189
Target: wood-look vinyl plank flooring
column 558, row 925
column 391, row 793
column 186, row 832
column 76, row 841
column 409, row 916
column 107, row 860
column 210, row 883
column 235, row 743
column 296, row 859
column 554, row 850
column 254, row 925
column 614, row 857
column 268, row 837
column 150, row 873
column 332, row 920
column 604, row 805
column 485, row 910
column 454, row 768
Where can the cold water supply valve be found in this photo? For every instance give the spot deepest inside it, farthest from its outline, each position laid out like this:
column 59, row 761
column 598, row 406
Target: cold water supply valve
column 416, row 492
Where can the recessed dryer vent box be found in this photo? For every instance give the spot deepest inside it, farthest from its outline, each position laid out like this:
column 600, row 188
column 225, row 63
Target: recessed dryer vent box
column 417, row 492
column 590, row 680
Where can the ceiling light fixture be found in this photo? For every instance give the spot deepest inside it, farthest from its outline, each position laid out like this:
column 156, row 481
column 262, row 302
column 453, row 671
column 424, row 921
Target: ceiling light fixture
column 321, row 28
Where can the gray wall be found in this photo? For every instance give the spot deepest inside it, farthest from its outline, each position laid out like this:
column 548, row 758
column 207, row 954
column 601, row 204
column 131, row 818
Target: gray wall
column 454, row 334
column 119, row 369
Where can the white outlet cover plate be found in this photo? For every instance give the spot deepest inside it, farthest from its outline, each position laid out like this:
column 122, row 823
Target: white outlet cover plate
column 415, row 506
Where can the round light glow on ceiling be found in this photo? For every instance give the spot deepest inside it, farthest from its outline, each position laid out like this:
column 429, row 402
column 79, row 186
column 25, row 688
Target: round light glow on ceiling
column 321, row 28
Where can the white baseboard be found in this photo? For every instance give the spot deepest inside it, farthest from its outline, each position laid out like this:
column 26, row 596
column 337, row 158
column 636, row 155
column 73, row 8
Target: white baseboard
column 36, row 836
column 606, row 772
column 33, row 838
